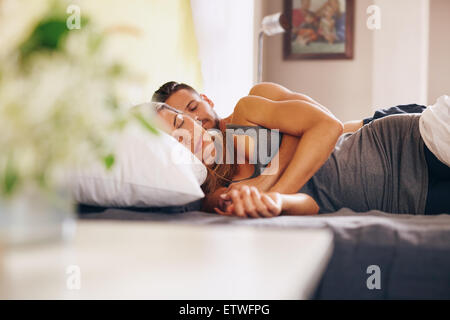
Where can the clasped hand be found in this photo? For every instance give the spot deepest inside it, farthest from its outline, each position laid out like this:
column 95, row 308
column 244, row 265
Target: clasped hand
column 249, row 202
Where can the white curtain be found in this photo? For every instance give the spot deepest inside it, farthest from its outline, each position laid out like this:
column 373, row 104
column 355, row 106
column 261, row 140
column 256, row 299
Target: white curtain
column 224, row 30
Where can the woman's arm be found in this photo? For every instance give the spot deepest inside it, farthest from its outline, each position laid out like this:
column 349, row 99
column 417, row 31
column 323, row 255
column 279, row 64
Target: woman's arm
column 299, row 204
column 249, row 202
column 353, row 126
column 317, row 129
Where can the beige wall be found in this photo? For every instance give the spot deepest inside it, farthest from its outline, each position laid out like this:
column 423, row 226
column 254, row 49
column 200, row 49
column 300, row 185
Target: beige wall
column 400, row 53
column 154, row 39
column 343, row 86
column 407, row 61
column 162, row 48
column 439, row 69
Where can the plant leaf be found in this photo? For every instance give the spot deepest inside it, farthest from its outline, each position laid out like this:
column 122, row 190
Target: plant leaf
column 109, row 161
column 48, row 35
column 147, row 125
column 10, row 180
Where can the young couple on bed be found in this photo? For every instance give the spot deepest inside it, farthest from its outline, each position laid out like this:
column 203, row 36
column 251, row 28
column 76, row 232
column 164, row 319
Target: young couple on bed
column 396, row 164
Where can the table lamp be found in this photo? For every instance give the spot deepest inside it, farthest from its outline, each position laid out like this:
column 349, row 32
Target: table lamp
column 271, row 25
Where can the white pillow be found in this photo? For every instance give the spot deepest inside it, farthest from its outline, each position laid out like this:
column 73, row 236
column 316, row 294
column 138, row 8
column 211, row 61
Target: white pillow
column 435, row 129
column 149, row 171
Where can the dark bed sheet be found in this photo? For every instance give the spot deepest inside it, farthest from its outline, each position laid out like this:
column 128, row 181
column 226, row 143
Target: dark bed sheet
column 412, row 252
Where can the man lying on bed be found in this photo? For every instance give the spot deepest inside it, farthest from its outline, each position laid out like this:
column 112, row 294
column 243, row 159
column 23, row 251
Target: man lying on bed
column 315, row 132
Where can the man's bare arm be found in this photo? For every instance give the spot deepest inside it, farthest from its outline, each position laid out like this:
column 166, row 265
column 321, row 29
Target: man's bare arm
column 275, row 92
column 318, row 132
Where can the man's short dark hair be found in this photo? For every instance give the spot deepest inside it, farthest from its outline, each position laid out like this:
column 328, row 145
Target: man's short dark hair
column 168, row 89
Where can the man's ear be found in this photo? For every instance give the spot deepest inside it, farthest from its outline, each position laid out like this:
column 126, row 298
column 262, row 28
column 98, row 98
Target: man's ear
column 204, row 97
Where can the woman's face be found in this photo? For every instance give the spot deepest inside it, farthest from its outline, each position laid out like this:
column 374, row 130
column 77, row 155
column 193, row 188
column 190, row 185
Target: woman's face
column 190, row 133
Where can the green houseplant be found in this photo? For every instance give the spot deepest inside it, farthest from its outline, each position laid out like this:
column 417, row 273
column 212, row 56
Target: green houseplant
column 59, row 107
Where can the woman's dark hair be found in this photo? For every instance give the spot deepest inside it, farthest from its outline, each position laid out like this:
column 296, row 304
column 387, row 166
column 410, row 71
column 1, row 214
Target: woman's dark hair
column 169, row 88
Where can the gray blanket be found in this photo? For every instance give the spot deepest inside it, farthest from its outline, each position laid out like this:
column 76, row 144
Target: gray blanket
column 412, row 252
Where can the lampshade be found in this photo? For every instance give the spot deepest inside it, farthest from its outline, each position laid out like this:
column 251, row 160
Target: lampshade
column 275, row 24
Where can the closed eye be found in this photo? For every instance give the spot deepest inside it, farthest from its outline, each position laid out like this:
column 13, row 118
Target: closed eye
column 193, row 108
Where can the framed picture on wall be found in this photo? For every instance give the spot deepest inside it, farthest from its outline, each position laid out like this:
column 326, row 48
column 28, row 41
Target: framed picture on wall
column 319, row 29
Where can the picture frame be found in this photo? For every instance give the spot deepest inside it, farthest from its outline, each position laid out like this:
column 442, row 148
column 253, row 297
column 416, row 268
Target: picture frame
column 319, row 29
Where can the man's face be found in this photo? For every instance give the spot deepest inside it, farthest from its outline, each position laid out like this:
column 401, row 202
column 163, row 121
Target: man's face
column 194, row 105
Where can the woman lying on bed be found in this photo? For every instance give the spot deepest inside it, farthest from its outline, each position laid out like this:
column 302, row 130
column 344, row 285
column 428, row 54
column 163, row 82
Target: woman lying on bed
column 384, row 166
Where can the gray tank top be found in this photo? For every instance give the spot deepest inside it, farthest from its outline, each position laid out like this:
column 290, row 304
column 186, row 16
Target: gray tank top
column 268, row 146
column 381, row 167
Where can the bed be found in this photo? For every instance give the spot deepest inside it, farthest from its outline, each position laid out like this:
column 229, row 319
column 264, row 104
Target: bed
column 412, row 252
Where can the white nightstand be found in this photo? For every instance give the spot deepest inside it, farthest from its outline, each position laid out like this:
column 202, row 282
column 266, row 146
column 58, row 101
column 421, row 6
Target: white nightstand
column 138, row 260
